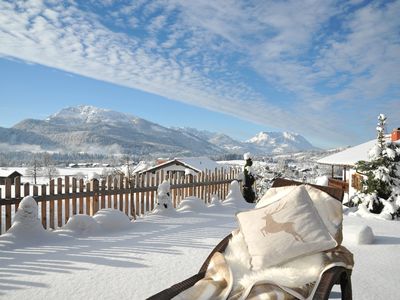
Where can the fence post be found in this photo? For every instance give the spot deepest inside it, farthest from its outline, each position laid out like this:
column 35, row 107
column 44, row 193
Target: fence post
column 8, row 206
column 66, row 200
column 44, row 206
column 95, row 202
column 103, row 194
column 17, row 188
column 137, row 203
column 126, row 187
column 121, row 194
column 51, row 192
column 81, row 189
column 74, row 186
column 132, row 202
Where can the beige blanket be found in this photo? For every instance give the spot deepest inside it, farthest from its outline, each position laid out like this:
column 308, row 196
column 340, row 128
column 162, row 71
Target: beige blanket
column 217, row 283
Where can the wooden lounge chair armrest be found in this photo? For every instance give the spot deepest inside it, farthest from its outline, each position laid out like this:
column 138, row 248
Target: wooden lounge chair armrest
column 335, row 275
column 178, row 288
column 219, row 248
column 183, row 285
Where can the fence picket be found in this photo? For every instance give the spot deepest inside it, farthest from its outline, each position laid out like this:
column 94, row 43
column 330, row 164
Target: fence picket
column 81, row 189
column 51, row 192
column 126, row 186
column 88, row 198
column 67, row 201
column 17, row 191
column 8, row 206
column 74, row 187
column 121, row 194
column 44, row 206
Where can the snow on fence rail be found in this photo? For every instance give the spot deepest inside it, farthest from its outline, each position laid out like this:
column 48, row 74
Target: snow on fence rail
column 64, row 197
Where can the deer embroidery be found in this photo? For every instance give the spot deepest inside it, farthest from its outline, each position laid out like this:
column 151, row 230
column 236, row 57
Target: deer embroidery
column 271, row 226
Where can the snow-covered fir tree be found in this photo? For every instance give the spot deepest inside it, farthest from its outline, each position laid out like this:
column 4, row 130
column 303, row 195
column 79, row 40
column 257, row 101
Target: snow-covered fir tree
column 381, row 183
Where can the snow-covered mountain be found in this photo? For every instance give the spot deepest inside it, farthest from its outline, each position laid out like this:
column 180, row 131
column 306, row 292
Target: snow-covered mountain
column 279, row 142
column 101, row 131
column 262, row 143
column 95, row 130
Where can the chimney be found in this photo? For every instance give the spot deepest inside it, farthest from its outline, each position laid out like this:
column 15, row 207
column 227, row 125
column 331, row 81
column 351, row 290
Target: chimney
column 395, row 134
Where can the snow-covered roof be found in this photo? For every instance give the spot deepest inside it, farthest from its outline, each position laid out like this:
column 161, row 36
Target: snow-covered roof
column 350, row 156
column 7, row 173
column 197, row 164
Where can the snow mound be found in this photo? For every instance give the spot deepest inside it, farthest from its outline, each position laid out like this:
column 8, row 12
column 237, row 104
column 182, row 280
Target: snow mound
column 235, row 198
column 215, row 202
column 112, row 219
column 27, row 227
column 192, row 204
column 360, row 235
column 322, row 180
column 82, row 225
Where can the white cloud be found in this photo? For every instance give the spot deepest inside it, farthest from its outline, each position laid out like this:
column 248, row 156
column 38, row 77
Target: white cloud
column 186, row 50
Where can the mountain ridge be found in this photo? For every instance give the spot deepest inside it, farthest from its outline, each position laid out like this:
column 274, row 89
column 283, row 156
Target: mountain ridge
column 87, row 128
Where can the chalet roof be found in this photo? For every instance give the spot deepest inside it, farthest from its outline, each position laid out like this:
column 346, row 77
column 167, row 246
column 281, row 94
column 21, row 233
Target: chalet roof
column 350, row 156
column 197, row 164
column 9, row 173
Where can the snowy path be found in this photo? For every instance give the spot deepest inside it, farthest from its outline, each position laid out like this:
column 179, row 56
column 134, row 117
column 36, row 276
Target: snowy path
column 160, row 251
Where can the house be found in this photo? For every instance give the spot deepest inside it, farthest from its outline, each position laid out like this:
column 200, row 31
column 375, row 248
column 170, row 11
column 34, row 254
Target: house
column 350, row 181
column 183, row 166
column 4, row 174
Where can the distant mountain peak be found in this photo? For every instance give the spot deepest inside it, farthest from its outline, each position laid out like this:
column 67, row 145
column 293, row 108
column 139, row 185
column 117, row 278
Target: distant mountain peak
column 276, row 142
column 87, row 114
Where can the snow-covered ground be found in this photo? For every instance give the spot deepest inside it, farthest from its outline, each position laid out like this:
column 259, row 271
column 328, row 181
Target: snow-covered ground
column 106, row 257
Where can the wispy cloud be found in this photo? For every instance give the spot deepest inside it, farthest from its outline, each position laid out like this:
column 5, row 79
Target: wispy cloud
column 317, row 56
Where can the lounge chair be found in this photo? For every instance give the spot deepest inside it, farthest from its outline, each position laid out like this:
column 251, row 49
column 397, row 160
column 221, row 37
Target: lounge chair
column 337, row 275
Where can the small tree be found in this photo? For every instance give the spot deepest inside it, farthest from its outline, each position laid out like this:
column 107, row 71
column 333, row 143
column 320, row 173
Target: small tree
column 382, row 172
column 35, row 168
column 49, row 169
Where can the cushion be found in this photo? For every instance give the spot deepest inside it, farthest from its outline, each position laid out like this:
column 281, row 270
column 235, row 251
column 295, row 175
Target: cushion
column 274, row 194
column 329, row 209
column 283, row 230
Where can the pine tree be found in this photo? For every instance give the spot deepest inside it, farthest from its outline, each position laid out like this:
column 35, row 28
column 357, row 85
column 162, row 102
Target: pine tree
column 382, row 171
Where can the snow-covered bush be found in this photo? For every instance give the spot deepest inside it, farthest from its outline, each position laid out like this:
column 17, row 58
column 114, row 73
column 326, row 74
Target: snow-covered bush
column 26, row 225
column 381, row 176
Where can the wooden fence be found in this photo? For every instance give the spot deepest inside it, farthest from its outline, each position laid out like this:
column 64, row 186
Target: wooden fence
column 64, row 197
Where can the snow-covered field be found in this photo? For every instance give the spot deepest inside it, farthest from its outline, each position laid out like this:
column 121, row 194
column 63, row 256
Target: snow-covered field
column 114, row 259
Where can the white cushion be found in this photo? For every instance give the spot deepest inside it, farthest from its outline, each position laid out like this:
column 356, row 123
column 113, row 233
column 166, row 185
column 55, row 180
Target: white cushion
column 329, row 209
column 283, row 230
column 274, row 194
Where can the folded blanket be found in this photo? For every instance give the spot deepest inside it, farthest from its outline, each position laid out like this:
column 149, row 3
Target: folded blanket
column 217, row 283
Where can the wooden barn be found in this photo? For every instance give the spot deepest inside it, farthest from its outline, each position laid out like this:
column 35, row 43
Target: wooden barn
column 4, row 174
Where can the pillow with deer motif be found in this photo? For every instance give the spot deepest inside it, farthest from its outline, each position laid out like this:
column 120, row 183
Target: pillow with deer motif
column 328, row 208
column 284, row 230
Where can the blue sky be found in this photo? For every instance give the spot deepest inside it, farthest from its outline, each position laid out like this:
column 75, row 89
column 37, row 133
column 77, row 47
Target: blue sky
column 323, row 69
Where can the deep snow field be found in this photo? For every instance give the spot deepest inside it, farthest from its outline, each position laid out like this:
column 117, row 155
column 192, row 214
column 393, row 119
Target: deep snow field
column 110, row 257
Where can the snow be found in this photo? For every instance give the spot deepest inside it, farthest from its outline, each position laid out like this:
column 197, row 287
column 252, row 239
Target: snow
column 81, row 225
column 157, row 251
column 192, row 204
column 350, row 156
column 111, row 219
